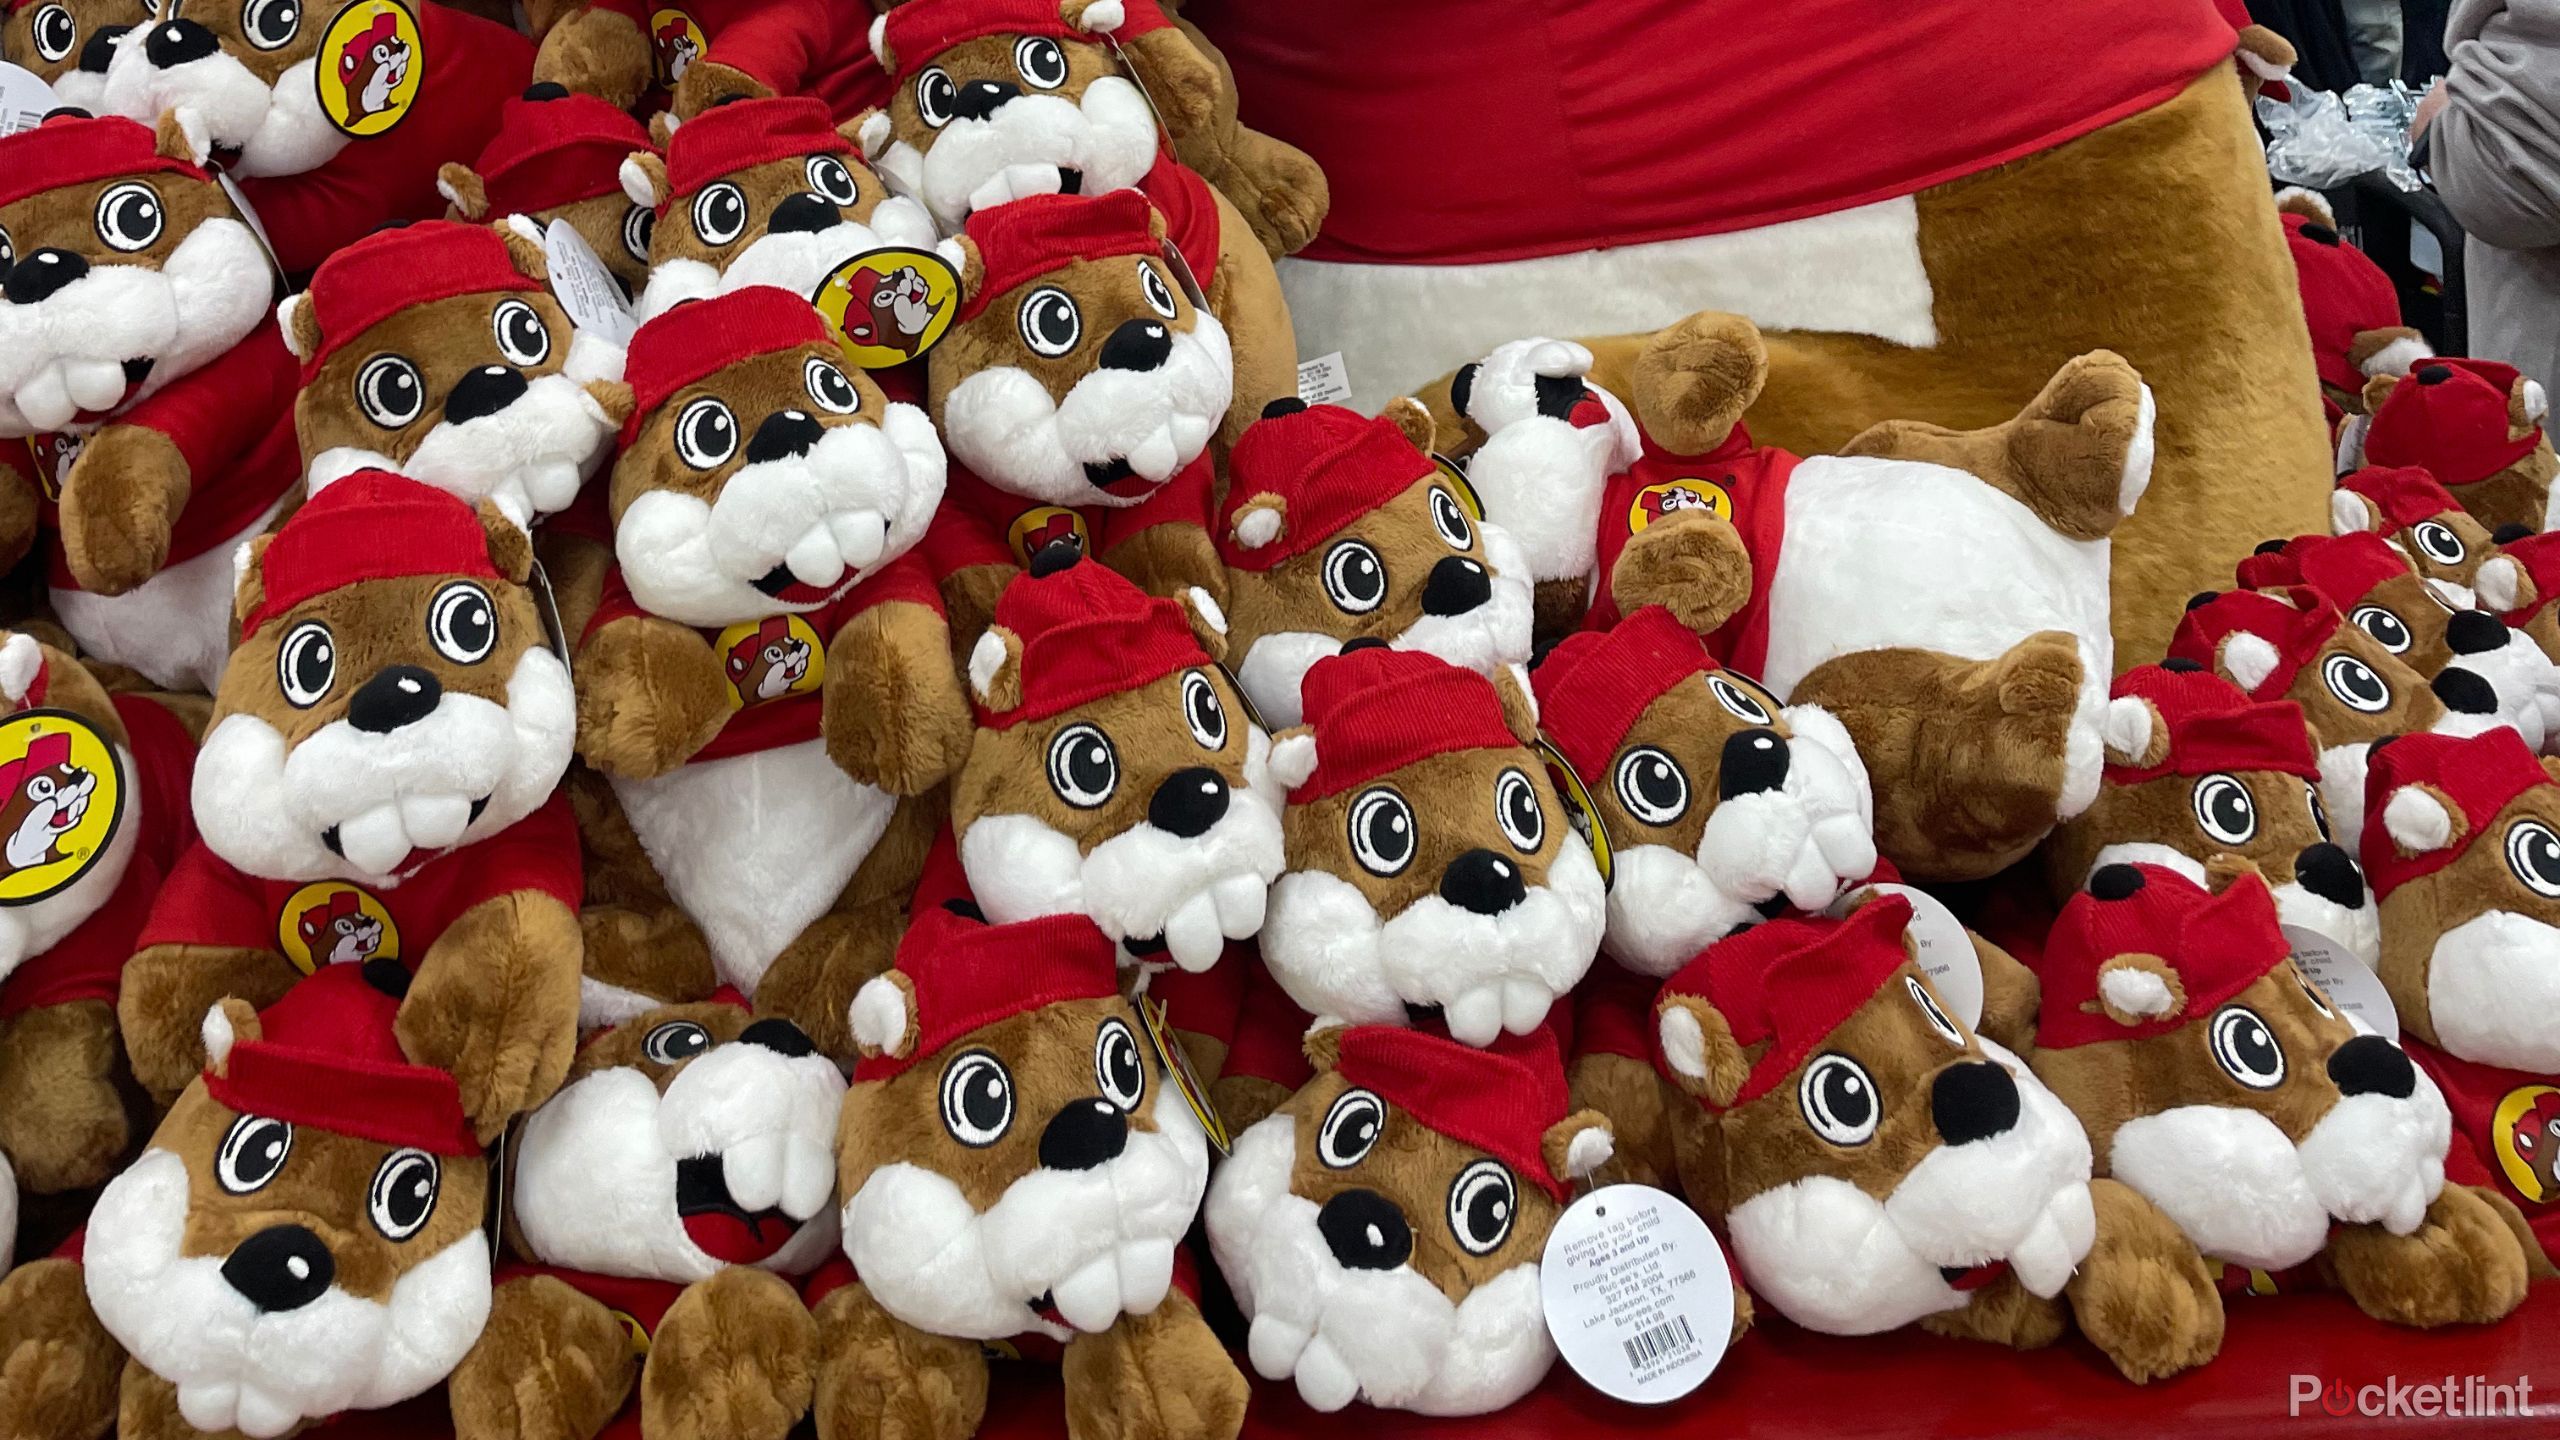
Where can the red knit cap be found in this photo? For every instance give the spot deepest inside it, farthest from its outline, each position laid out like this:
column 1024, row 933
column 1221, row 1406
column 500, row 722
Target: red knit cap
column 1020, row 242
column 2540, row 557
column 1086, row 633
column 700, row 338
column 391, row 270
column 2344, row 294
column 917, row 32
column 2213, row 727
column 2345, row 568
column 1593, row 685
column 967, row 974
column 2217, row 944
column 2479, row 775
column 326, row 1057
column 2269, row 568
column 2402, row 494
column 2295, row 621
column 1501, row 1099
column 726, row 139
column 549, row 153
column 1789, row 983
column 1376, row 710
column 73, row 150
column 2450, row 416
column 372, row 525
column 1326, row 465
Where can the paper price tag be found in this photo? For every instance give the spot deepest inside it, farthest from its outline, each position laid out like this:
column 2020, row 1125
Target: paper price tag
column 24, row 99
column 584, row 287
column 1946, row 953
column 1637, row 1293
column 1325, row 380
column 1176, row 1064
column 249, row 216
column 2350, row 985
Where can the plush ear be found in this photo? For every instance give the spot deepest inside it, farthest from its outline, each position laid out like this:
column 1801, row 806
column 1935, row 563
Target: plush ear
column 510, row 549
column 1699, row 1047
column 872, row 132
column 662, row 128
column 1260, row 520
column 880, row 44
column 2526, row 405
column 2309, row 204
column 1323, row 1044
column 2222, row 869
column 2421, row 820
column 962, row 252
column 229, row 1022
column 2391, row 350
column 1578, row 1144
column 21, row 660
column 1093, row 17
column 525, row 250
column 2378, row 388
column 1293, row 756
column 2551, row 767
column 2350, row 512
column 1519, row 704
column 995, row 669
column 2137, row 989
column 1208, row 622
column 301, row 327
column 615, row 398
column 460, row 186
column 249, row 584
column 883, row 1016
column 171, row 139
column 2134, row 733
column 2247, row 660
column 1413, row 418
column 2502, row 585
column 644, row 179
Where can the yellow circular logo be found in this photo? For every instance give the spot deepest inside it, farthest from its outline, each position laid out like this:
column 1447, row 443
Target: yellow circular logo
column 61, row 798
column 330, row 922
column 1042, row 526
column 2526, row 1128
column 888, row 307
column 675, row 42
column 1689, row 492
column 1579, row 811
column 1458, row 483
column 770, row 658
column 372, row 61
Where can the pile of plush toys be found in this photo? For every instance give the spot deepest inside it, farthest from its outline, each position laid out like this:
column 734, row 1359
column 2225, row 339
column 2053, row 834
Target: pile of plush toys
column 529, row 868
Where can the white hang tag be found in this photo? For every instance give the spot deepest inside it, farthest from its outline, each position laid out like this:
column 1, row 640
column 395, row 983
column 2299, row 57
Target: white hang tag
column 1325, row 380
column 2348, row 982
column 584, row 287
column 1946, row 954
column 1637, row 1293
column 24, row 99
column 249, row 216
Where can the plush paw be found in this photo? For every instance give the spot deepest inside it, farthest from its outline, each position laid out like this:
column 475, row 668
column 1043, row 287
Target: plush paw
column 1695, row 566
column 1170, row 560
column 1158, row 1376
column 895, row 715
column 650, row 695
column 706, row 83
column 2462, row 1265
column 598, row 51
column 1630, row 1093
column 2143, row 1295
column 119, row 500
column 166, row 991
column 882, row 1380
column 1693, row 380
column 63, row 1119
column 551, row 1364
column 495, row 1003
column 733, row 1360
column 58, row 1365
column 2003, row 1312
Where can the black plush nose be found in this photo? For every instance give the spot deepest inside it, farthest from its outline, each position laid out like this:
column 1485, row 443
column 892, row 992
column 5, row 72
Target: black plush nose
column 2465, row 692
column 1755, row 761
column 397, row 695
column 2325, row 871
column 784, row 433
column 1457, row 585
column 1085, row 1134
column 1189, row 802
column 979, row 98
column 41, row 272
column 779, row 1036
column 1137, row 345
column 484, row 391
column 1365, row 1231
column 2474, row 632
column 101, row 47
column 1483, row 883
column 804, row 213
column 177, row 42
column 1973, row 1101
column 2371, row 1065
column 283, row 1267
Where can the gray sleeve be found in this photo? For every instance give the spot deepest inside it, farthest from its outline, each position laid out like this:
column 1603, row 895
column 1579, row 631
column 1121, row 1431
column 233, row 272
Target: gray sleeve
column 2495, row 148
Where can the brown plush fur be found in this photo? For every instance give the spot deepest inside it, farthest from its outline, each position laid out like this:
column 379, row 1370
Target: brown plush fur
column 1146, row 727
column 2413, row 707
column 1161, row 1374
column 1689, row 725
column 2462, row 1265
column 2422, row 618
column 595, row 51
column 814, row 978
column 58, row 1365
column 2517, row 495
column 2287, row 821
column 68, row 1116
column 1454, row 811
column 1641, row 1115
column 2143, row 1295
column 2469, row 545
column 763, row 186
column 550, row 1363
column 609, row 223
column 87, row 17
column 2417, row 914
column 881, row 1380
column 2075, row 432
column 1291, row 596
column 734, row 1358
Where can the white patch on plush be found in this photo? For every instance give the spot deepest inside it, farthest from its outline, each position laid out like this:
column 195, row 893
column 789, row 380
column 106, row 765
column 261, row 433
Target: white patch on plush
column 1003, row 424
column 1205, row 609
column 1110, row 136
column 2399, row 357
column 2379, row 1159
column 2358, row 931
column 1258, row 527
column 21, row 658
column 2135, row 478
column 2248, row 660
column 2230, row 1178
column 2527, row 686
column 63, row 356
column 262, row 1373
column 2349, row 513
column 174, row 627
column 263, row 806
column 2136, row 991
column 1540, row 477
column 1684, row 1042
column 795, row 260
column 31, row 929
column 2127, row 729
column 2493, row 991
column 2500, row 583
column 987, row 660
column 832, row 516
column 527, row 458
column 1808, row 839
column 602, row 1005
column 278, row 129
column 878, row 1018
column 637, row 185
column 2417, row 821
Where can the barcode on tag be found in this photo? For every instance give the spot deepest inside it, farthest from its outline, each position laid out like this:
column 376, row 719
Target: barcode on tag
column 1670, row 1338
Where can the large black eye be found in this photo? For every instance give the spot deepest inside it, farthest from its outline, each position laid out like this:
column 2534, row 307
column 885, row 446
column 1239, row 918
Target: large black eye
column 2355, row 684
column 1041, row 62
column 831, row 178
column 1355, row 579
column 2533, row 853
column 639, row 223
column 1935, row 1013
column 935, row 97
column 462, row 621
column 2245, row 1048
column 1515, row 807
column 271, row 24
column 2225, row 808
column 2438, row 542
column 253, row 1150
column 829, row 387
column 521, row 335
column 1202, row 710
column 56, row 34
column 720, row 213
column 2382, row 625
column 706, row 434
column 1450, row 519
column 1051, row 323
column 8, row 252
column 1652, row 787
column 1481, row 1202
column 676, row 1040
column 1159, row 295
column 1351, row 1129
column 1382, row 831
column 389, row 391
column 306, row 663
column 1738, row 700
column 1838, row 1099
column 129, row 216
column 2319, row 812
column 1117, row 1066
column 403, row 1194
column 977, row 1099
column 1083, row 768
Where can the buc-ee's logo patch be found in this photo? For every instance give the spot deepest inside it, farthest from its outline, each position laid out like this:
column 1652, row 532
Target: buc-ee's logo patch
column 330, row 922
column 1670, row 497
column 770, row 658
column 2527, row 1130
column 675, row 42
column 1042, row 526
column 889, row 306
column 54, row 454
column 372, row 61
column 61, row 798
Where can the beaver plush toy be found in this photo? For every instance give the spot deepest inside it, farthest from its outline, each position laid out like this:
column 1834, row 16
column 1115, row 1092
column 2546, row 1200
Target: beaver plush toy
column 767, row 683
column 139, row 357
column 648, row 58
column 1430, row 861
column 1382, row 1230
column 332, row 120
column 65, row 43
column 2349, row 302
column 1974, row 693
column 1339, row 528
column 2216, row 1079
column 714, row 1134
column 380, row 781
column 2429, row 528
column 1116, row 773
column 2476, row 425
column 1015, row 1166
column 559, row 156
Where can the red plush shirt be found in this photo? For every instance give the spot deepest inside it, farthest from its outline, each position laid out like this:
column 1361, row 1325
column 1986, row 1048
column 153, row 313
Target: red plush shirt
column 979, row 524
column 791, row 47
column 1739, row 481
column 2508, row 1122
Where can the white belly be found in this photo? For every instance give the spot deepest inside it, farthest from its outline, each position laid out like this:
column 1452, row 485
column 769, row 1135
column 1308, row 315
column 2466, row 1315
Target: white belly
column 174, row 627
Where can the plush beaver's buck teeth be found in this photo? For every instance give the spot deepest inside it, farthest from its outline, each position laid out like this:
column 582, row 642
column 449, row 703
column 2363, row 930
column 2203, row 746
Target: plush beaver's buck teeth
column 789, row 1173
column 862, row 536
column 814, row 558
column 382, row 837
column 1133, row 1276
